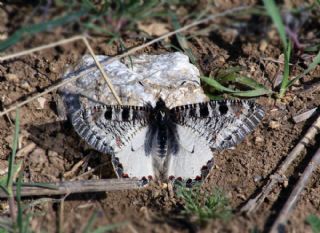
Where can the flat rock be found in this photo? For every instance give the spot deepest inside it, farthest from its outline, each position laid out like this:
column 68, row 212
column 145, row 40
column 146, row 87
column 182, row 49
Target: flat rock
column 137, row 80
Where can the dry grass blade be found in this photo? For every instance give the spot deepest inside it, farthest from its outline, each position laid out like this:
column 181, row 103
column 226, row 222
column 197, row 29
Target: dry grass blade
column 68, row 187
column 102, row 71
column 280, row 223
column 51, row 45
column 253, row 204
column 131, row 51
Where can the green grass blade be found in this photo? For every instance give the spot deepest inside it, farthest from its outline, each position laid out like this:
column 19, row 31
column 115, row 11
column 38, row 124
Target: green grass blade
column 5, row 225
column 216, row 84
column 311, row 66
column 89, row 225
column 182, row 39
column 203, row 206
column 249, row 82
column 250, row 93
column 40, row 27
column 274, row 13
column 13, row 154
column 314, row 222
column 4, row 179
column 312, row 48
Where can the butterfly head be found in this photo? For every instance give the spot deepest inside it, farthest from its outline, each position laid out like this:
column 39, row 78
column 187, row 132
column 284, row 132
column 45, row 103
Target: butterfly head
column 161, row 112
column 160, row 103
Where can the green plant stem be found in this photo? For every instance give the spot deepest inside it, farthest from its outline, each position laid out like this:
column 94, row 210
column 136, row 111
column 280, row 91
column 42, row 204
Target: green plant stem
column 11, row 170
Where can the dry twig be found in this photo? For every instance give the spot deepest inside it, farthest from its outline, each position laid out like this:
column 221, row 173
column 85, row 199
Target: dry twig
column 26, row 150
column 253, row 204
column 69, row 187
column 39, row 48
column 75, row 167
column 280, row 223
column 131, row 51
column 89, row 172
column 84, row 39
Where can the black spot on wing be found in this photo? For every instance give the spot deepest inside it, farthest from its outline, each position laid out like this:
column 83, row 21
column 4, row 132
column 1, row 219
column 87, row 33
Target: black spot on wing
column 192, row 112
column 223, row 108
column 108, row 114
column 125, row 114
column 204, row 112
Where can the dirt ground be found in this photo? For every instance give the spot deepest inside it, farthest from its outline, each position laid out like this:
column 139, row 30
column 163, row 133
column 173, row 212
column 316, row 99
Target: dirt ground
column 240, row 173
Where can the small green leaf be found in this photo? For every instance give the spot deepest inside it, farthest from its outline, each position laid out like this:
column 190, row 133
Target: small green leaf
column 250, row 93
column 253, row 93
column 249, row 82
column 314, row 222
column 216, row 85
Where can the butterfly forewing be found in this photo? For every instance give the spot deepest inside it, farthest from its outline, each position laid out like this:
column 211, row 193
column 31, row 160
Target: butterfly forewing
column 110, row 128
column 222, row 124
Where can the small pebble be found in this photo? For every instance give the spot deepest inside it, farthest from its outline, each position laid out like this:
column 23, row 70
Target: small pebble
column 12, row 78
column 258, row 139
column 274, row 124
column 257, row 178
column 25, row 85
column 41, row 101
column 263, row 45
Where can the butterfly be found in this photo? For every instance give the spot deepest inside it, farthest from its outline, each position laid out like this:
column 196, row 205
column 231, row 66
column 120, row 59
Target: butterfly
column 155, row 142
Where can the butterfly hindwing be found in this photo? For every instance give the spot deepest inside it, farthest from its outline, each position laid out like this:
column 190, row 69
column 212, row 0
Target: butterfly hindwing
column 192, row 156
column 132, row 161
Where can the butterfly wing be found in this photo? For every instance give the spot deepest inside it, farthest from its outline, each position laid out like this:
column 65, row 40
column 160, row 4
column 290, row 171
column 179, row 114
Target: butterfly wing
column 222, row 124
column 119, row 131
column 132, row 160
column 213, row 125
column 193, row 156
column 109, row 129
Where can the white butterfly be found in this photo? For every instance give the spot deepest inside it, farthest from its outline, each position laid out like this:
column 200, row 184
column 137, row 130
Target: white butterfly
column 166, row 144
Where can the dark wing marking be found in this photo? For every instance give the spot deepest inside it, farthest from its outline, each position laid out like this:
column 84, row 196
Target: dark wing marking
column 109, row 128
column 222, row 123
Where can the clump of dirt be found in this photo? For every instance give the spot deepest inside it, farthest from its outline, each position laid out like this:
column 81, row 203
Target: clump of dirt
column 240, row 172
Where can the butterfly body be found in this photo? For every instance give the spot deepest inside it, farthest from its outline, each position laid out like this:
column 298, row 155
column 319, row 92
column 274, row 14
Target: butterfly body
column 161, row 143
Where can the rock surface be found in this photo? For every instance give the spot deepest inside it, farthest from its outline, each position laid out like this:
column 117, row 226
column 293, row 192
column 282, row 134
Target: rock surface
column 137, row 81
